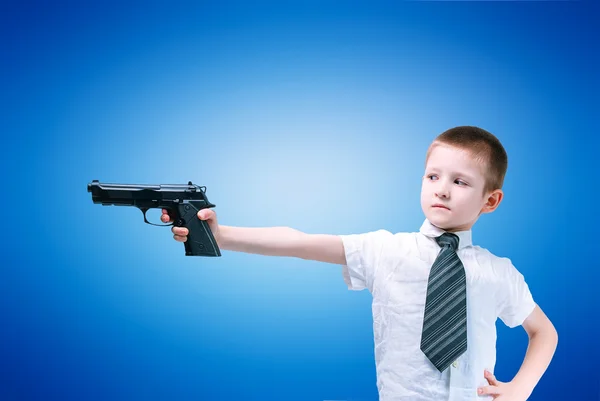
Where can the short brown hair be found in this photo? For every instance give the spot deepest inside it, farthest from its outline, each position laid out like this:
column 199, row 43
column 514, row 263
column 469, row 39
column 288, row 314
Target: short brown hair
column 483, row 146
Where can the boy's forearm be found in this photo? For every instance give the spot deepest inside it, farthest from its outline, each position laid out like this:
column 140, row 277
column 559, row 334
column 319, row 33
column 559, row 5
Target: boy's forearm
column 537, row 358
column 271, row 241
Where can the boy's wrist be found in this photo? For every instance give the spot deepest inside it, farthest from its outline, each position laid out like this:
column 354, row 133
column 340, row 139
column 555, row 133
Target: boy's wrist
column 524, row 387
column 223, row 239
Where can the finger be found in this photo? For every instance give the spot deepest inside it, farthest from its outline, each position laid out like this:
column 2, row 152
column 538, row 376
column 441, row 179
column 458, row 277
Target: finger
column 490, row 377
column 206, row 214
column 165, row 217
column 488, row 390
column 180, row 238
column 181, row 231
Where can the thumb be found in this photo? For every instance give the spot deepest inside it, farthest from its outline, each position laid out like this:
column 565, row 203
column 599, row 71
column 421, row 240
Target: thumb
column 488, row 390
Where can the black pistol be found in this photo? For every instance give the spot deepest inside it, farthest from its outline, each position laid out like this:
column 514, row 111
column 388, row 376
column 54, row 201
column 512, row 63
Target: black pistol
column 182, row 201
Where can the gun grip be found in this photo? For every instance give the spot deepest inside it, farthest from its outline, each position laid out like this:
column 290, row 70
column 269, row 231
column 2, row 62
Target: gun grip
column 200, row 240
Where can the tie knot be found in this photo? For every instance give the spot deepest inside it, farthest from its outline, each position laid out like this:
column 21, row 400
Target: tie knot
column 448, row 239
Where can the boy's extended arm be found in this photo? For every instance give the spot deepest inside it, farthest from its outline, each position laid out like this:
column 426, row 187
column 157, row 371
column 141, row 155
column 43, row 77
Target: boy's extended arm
column 283, row 241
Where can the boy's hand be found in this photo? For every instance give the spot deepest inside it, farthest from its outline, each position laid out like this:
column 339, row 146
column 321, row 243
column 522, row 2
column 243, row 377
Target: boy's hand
column 180, row 233
column 501, row 391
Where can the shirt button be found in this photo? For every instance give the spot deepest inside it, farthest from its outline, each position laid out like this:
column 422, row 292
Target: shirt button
column 455, row 364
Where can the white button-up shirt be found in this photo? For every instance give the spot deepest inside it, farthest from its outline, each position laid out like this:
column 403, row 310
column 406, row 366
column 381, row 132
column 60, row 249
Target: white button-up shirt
column 395, row 269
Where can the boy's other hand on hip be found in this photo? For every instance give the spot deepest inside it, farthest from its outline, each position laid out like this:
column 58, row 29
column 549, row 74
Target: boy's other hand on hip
column 501, row 391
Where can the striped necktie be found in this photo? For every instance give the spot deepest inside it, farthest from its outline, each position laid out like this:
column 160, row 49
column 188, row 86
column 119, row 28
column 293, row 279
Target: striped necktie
column 444, row 335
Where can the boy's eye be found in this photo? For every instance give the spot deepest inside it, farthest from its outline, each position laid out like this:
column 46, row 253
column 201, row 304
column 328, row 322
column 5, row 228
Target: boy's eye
column 433, row 177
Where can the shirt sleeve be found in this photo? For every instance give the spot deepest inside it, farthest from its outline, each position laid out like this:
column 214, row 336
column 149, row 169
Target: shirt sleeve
column 363, row 253
column 515, row 301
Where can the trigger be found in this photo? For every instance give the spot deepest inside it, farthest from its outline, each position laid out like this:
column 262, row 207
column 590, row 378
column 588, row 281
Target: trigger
column 145, row 210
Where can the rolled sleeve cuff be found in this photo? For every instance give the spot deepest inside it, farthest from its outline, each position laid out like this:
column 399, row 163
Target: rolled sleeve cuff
column 354, row 271
column 519, row 316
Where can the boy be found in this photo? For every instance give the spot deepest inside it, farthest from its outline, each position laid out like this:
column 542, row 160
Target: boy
column 436, row 296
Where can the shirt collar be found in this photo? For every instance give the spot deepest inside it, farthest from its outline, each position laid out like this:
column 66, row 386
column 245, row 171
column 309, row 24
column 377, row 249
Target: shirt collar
column 431, row 231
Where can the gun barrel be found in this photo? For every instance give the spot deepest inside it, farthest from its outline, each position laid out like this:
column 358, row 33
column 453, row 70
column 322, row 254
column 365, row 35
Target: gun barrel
column 96, row 185
column 142, row 194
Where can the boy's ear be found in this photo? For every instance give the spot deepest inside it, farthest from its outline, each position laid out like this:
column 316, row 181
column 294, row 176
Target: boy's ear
column 493, row 201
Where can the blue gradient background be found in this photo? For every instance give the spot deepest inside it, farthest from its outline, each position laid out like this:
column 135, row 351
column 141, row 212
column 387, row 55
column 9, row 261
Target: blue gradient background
column 313, row 117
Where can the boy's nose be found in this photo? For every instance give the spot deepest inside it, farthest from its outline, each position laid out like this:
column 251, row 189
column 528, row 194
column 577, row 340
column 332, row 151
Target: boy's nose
column 442, row 193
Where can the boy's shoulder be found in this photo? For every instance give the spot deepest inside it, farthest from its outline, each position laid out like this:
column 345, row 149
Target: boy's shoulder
column 484, row 252
column 501, row 266
column 379, row 234
column 383, row 235
column 382, row 239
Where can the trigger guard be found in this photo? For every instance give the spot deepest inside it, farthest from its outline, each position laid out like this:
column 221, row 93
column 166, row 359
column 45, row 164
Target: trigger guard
column 144, row 210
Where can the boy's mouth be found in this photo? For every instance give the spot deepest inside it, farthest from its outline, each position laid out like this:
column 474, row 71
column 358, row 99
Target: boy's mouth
column 439, row 205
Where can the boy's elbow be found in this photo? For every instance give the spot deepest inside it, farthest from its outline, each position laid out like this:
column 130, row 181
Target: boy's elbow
column 552, row 337
column 551, row 330
column 549, row 333
column 554, row 333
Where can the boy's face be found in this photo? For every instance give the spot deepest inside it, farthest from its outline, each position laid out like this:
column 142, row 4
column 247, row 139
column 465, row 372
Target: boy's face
column 452, row 195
